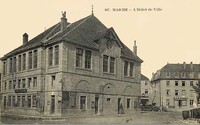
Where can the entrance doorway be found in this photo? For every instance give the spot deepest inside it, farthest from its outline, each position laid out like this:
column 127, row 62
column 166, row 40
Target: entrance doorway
column 96, row 105
column 179, row 103
column 52, row 104
column 119, row 100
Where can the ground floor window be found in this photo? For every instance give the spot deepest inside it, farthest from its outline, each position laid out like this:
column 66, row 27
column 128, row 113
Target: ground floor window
column 18, row 101
column 13, row 101
column 29, row 101
column 184, row 103
column 128, row 103
column 167, row 102
column 191, row 102
column 83, row 102
column 23, row 101
column 34, row 101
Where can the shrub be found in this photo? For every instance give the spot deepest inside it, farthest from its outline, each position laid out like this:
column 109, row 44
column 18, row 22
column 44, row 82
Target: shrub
column 185, row 114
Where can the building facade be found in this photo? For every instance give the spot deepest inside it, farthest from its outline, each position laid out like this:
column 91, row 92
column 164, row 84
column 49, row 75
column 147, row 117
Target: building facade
column 172, row 86
column 71, row 68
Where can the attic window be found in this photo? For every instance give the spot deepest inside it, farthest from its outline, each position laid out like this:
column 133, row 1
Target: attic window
column 168, row 74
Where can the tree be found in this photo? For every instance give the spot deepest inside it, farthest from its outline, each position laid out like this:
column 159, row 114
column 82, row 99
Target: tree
column 197, row 90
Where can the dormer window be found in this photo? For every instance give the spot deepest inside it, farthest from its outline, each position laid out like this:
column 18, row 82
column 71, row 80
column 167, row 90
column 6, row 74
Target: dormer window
column 191, row 75
column 176, row 74
column 167, row 74
column 183, row 75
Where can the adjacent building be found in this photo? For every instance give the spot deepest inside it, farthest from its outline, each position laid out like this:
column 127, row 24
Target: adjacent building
column 145, row 89
column 71, row 68
column 172, row 86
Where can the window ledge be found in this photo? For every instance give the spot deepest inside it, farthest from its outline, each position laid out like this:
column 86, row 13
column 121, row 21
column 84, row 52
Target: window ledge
column 55, row 66
column 80, row 68
column 107, row 73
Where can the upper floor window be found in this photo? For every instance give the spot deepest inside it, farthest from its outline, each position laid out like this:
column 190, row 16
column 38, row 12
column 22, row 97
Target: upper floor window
column 23, row 83
column 10, row 66
column 53, row 78
column 88, row 59
column 176, row 74
column 34, row 81
column 30, row 60
column 105, row 63
column 126, row 68
column 50, row 56
column 112, row 64
column 29, row 82
column 56, row 55
column 183, row 83
column 14, row 64
column 176, row 83
column 191, row 83
column 183, row 74
column 146, row 91
column 131, row 69
column 35, row 61
column 19, row 62
column 176, row 92
column 24, row 62
column 4, row 68
column 10, row 84
column 183, row 92
column 168, row 92
column 167, row 74
column 19, row 83
column 167, row 83
column 79, row 57
column 14, row 84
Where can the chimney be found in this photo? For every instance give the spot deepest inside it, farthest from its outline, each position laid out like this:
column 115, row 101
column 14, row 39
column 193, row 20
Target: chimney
column 184, row 65
column 135, row 48
column 25, row 38
column 63, row 21
column 191, row 65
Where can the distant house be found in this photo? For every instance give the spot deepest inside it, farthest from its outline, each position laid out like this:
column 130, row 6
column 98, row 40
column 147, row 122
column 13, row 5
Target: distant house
column 172, row 86
column 71, row 69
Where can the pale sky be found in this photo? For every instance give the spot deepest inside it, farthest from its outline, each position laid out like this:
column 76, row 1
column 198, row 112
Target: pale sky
column 171, row 35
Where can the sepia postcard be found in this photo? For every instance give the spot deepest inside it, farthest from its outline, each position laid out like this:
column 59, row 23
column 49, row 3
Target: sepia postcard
column 100, row 62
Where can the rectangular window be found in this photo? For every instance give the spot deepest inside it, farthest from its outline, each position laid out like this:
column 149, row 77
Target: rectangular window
column 50, row 56
column 19, row 62
column 192, row 93
column 176, row 83
column 18, row 101
column 30, row 60
column 176, row 92
column 5, row 87
column 53, row 78
column 23, row 101
column 167, row 92
column 9, row 101
column 10, row 85
column 23, row 83
column 24, row 62
column 88, row 56
column 56, row 55
column 79, row 57
column 108, row 99
column 131, row 69
column 14, row 64
column 19, row 83
column 167, row 102
column 191, row 83
column 146, row 91
column 13, row 101
column 191, row 102
column 34, row 81
column 125, row 68
column 105, row 63
column 5, row 102
column 184, row 103
column 183, row 83
column 83, row 102
column 29, row 82
column 34, row 101
column 112, row 65
column 128, row 103
column 4, row 68
column 29, row 101
column 167, row 83
column 11, row 65
column 14, row 84
column 35, row 59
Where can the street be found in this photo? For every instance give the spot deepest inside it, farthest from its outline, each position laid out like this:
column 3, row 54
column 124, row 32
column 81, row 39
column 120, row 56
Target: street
column 140, row 117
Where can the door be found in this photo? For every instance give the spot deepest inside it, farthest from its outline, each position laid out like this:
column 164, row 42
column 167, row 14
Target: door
column 96, row 105
column 118, row 103
column 179, row 103
column 52, row 104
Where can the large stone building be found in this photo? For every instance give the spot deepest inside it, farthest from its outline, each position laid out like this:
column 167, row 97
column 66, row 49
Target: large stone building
column 172, row 86
column 71, row 68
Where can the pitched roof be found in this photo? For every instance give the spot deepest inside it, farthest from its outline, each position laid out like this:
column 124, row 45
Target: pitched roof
column 144, row 77
column 83, row 32
column 175, row 71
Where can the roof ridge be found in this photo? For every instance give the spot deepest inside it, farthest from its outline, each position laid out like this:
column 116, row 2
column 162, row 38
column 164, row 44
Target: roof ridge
column 77, row 25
